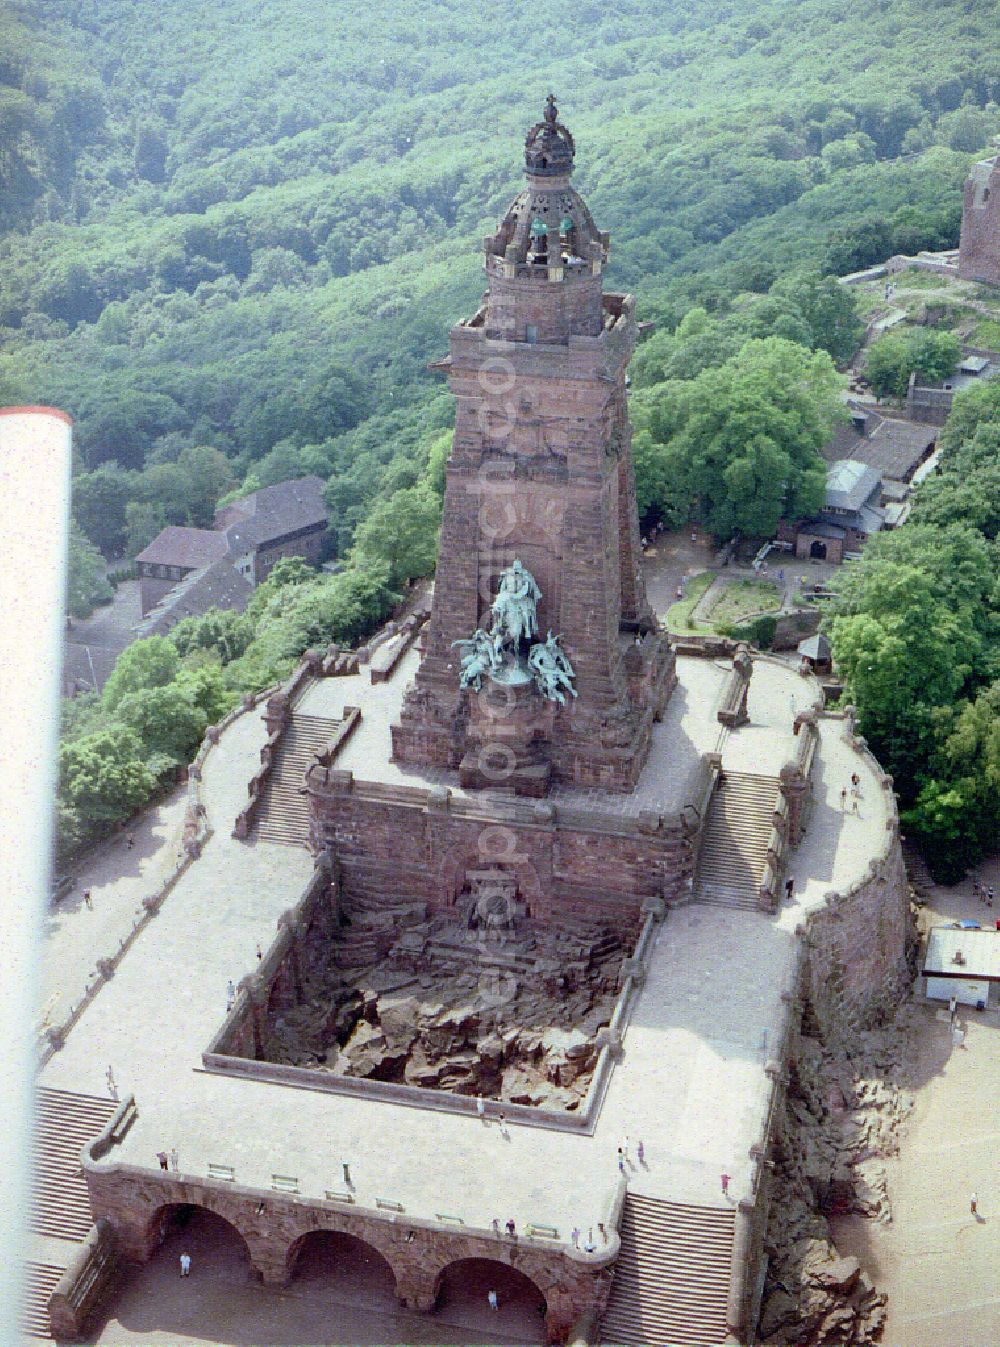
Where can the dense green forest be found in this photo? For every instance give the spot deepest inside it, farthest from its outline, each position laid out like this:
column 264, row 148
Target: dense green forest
column 232, row 237
column 250, row 230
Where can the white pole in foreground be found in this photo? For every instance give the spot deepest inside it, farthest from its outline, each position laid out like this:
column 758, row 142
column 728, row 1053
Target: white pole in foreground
column 34, row 510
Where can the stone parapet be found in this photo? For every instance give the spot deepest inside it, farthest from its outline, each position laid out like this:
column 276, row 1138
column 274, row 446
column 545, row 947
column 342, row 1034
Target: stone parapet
column 136, row 1203
column 87, row 1283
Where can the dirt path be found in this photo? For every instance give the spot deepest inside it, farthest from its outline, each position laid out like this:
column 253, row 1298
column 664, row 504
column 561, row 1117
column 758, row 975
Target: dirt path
column 938, row 1261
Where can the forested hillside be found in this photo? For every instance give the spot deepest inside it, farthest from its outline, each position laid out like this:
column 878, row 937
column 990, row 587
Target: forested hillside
column 247, row 229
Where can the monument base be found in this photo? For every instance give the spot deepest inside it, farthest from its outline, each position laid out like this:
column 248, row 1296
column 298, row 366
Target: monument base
column 508, row 737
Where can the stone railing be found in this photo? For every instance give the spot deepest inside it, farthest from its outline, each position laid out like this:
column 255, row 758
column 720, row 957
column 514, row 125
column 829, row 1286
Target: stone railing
column 277, row 716
column 242, row 1031
column 704, row 647
column 516, row 811
column 794, row 777
column 86, row 1284
column 732, row 709
column 386, row 658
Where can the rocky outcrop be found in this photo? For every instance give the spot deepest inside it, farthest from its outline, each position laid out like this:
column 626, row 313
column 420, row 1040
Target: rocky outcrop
column 431, row 1001
column 843, row 1117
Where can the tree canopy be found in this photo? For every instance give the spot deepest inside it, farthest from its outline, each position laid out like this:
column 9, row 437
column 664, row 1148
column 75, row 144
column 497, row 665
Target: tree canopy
column 739, row 444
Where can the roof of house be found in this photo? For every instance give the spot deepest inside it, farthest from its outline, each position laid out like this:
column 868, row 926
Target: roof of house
column 892, row 445
column 273, row 513
column 979, row 950
column 897, row 447
column 849, row 484
column 186, row 547
column 973, row 364
column 815, row 647
column 219, row 585
column 86, row 667
column 822, row 528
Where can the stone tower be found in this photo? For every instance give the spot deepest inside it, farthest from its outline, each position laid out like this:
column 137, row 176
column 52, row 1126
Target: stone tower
column 979, row 249
column 541, row 472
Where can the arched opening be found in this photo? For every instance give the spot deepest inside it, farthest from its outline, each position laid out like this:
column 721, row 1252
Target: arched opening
column 344, row 1264
column 216, row 1248
column 463, row 1296
column 817, row 551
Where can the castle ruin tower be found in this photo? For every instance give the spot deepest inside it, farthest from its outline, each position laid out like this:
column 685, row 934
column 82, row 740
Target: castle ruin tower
column 979, row 247
column 541, row 474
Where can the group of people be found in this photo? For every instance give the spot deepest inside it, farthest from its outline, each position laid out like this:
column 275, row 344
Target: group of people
column 984, row 894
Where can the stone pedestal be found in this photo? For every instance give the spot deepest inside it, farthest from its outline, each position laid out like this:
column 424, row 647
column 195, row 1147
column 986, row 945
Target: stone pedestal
column 508, row 739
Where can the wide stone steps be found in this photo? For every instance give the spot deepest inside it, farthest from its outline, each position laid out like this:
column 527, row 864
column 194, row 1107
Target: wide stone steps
column 671, row 1278
column 39, row 1282
column 65, row 1122
column 283, row 815
column 734, row 847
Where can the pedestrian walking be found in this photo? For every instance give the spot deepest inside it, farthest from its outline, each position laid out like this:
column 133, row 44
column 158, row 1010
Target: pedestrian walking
column 789, row 888
column 185, row 1261
column 626, row 1148
column 989, row 896
column 952, row 1008
column 88, row 900
column 502, row 1124
column 602, row 1230
column 725, row 1184
column 640, row 1153
column 621, row 1161
column 496, row 1225
column 856, row 785
column 491, row 1297
column 973, row 1205
column 230, row 995
column 260, row 952
column 843, row 799
column 854, row 807
column 590, row 1246
column 511, row 1228
column 574, row 1235
column 162, row 1157
column 109, row 1076
column 130, row 842
column 347, row 1173
column 174, row 1159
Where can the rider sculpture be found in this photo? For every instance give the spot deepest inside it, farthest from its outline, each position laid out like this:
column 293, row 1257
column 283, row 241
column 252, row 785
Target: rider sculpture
column 497, row 653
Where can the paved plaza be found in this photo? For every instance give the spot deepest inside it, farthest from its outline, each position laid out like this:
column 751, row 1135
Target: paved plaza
column 691, row 1084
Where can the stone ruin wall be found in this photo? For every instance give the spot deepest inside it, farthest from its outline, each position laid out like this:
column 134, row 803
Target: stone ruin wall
column 856, row 967
column 562, row 870
column 979, row 249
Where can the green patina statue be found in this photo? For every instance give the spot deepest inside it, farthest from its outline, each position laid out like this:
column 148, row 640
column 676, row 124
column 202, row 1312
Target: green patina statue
column 497, row 653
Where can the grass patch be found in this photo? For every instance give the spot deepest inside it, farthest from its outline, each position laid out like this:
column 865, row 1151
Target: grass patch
column 986, row 333
column 743, row 598
column 678, row 617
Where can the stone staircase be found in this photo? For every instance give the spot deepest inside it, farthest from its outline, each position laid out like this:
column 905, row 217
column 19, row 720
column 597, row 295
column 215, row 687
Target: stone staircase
column 283, row 815
column 734, row 846
column 671, row 1278
column 60, row 1206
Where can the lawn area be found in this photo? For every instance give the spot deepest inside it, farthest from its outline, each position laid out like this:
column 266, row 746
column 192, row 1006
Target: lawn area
column 679, row 614
column 743, row 598
column 987, row 334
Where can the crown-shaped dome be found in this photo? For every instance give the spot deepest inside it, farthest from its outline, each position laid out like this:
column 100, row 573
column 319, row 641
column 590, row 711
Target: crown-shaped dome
column 548, row 147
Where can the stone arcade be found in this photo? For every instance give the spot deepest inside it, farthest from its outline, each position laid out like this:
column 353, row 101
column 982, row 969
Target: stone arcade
column 568, row 908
